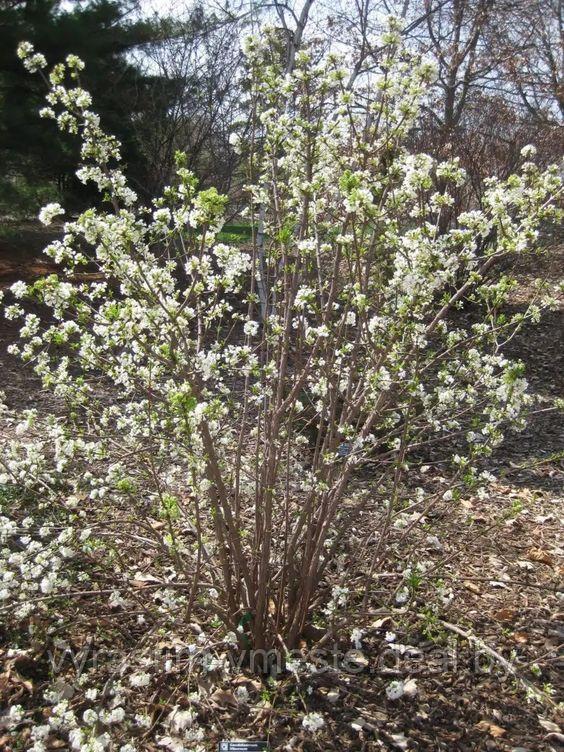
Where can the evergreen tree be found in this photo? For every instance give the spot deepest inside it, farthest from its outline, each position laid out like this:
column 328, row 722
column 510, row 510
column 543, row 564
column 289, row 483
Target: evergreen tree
column 101, row 32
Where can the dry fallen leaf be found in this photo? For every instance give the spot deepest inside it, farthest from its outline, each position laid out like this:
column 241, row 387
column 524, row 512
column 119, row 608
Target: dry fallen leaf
column 538, row 554
column 472, row 587
column 542, row 518
column 400, row 741
column 381, row 623
column 357, row 724
column 242, row 680
column 505, row 614
column 357, row 657
column 491, row 729
column 140, row 579
column 222, row 698
column 549, row 726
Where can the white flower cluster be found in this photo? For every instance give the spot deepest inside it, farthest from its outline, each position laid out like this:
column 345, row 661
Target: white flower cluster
column 312, row 722
column 49, row 212
column 37, row 548
column 33, row 61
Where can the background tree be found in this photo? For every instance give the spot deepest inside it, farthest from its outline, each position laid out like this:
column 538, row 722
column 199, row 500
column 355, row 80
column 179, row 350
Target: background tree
column 532, row 44
column 499, row 83
column 196, row 62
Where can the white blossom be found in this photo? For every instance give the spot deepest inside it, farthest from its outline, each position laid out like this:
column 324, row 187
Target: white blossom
column 49, row 212
column 251, row 328
column 529, row 151
column 313, row 722
column 395, row 690
column 140, row 679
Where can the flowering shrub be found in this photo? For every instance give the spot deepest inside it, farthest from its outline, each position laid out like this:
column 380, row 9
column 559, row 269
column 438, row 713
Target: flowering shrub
column 218, row 400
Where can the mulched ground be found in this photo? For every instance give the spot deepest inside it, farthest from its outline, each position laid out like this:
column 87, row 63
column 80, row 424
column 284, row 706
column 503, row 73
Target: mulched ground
column 500, row 557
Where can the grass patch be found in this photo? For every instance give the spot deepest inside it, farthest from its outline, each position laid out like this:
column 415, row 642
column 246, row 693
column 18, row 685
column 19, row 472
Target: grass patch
column 236, row 233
